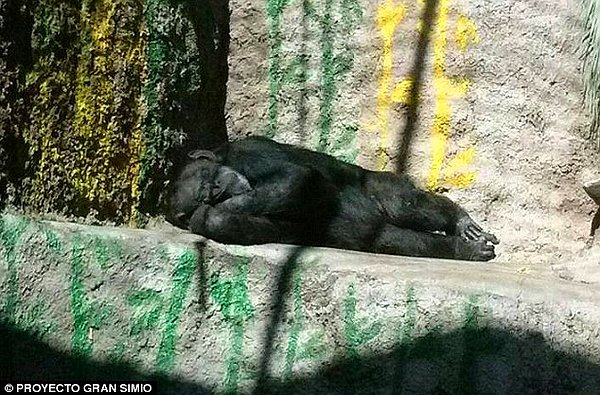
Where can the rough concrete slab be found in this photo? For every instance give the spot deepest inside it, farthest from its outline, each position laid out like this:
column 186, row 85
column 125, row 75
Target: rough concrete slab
column 81, row 301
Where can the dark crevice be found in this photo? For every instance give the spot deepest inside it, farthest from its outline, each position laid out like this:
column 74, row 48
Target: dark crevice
column 16, row 26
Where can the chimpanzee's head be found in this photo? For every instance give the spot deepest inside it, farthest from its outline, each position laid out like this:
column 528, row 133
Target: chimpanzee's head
column 203, row 181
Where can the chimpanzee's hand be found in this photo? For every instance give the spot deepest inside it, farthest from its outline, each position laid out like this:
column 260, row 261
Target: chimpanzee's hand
column 470, row 230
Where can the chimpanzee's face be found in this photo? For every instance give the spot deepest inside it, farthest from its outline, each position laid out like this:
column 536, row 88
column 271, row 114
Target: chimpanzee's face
column 198, row 184
column 207, row 182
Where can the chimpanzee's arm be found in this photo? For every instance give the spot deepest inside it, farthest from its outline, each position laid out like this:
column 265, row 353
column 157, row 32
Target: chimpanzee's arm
column 238, row 228
column 289, row 191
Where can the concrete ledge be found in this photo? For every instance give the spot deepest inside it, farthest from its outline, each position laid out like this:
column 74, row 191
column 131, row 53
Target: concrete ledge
column 82, row 301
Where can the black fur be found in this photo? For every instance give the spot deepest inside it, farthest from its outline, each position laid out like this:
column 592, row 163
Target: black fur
column 281, row 193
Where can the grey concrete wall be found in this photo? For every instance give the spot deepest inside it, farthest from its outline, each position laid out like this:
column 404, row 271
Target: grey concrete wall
column 84, row 301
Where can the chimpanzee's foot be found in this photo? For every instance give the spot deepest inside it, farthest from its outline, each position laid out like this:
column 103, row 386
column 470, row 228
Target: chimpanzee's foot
column 474, row 250
column 470, row 230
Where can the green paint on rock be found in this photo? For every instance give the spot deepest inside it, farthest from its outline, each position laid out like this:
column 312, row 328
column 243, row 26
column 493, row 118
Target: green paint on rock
column 356, row 332
column 231, row 296
column 334, row 66
column 80, row 341
column 53, row 241
column 276, row 73
column 157, row 51
column 408, row 326
column 327, row 78
column 11, row 230
column 403, row 349
column 470, row 326
column 296, row 328
column 117, row 354
column 107, row 250
column 34, row 319
column 149, row 306
column 181, row 280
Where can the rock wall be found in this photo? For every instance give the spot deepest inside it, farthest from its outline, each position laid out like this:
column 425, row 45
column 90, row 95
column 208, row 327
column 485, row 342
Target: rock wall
column 99, row 95
column 83, row 302
column 481, row 99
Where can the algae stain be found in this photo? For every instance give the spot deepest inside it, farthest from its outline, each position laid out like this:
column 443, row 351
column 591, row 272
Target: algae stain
column 181, row 280
column 231, row 296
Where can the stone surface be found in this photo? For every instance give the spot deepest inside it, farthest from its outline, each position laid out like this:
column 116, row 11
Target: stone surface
column 114, row 302
column 500, row 122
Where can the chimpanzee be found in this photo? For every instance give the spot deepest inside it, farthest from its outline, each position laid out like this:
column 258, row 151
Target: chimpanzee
column 256, row 190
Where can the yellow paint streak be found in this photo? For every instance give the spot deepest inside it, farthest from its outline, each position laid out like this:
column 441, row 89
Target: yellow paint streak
column 454, row 173
column 389, row 16
column 446, row 89
column 402, row 92
column 50, row 150
column 110, row 144
column 137, row 150
column 466, row 33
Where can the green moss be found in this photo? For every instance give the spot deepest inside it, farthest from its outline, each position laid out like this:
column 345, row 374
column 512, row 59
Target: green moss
column 184, row 91
column 50, row 87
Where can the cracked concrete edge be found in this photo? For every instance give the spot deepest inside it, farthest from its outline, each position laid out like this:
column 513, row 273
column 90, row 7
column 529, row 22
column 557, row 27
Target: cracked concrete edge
column 169, row 301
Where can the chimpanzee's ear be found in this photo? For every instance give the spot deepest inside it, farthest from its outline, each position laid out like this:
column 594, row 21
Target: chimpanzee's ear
column 202, row 154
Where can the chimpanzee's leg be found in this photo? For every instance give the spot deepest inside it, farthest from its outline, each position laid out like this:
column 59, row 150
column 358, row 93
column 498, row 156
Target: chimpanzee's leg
column 398, row 241
column 406, row 206
column 238, row 228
